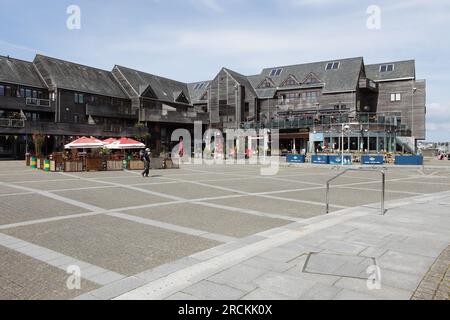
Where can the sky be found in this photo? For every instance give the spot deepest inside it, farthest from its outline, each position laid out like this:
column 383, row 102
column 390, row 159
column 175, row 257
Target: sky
column 190, row 40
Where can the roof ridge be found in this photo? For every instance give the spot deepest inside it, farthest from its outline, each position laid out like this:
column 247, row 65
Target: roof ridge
column 73, row 63
column 314, row 62
column 375, row 64
column 151, row 74
column 17, row 59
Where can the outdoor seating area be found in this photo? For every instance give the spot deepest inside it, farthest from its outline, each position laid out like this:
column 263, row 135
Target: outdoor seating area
column 90, row 154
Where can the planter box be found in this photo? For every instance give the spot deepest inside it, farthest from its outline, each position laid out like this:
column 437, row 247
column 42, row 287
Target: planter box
column 28, row 160
column 157, row 164
column 295, row 158
column 320, row 159
column 348, row 160
column 135, row 165
column 73, row 166
column 112, row 165
column 409, row 160
column 171, row 165
column 372, row 160
column 94, row 165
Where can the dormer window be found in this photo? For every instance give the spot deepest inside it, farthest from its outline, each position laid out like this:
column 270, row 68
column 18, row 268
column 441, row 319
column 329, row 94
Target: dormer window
column 387, row 68
column 276, row 72
column 266, row 83
column 333, row 65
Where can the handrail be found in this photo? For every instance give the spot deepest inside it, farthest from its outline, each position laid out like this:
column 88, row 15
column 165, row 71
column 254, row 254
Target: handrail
column 383, row 188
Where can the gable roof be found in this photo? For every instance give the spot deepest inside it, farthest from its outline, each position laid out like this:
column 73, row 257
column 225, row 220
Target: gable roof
column 196, row 93
column 164, row 88
column 243, row 80
column 21, row 72
column 343, row 79
column 72, row 76
column 402, row 69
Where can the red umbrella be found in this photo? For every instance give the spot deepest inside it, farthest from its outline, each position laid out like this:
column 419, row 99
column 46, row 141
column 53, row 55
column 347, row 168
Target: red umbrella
column 85, row 143
column 109, row 141
column 125, row 144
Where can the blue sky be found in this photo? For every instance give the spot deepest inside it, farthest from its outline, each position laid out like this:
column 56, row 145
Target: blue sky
column 190, row 40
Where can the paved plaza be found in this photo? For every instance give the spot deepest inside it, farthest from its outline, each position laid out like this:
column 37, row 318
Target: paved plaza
column 224, row 232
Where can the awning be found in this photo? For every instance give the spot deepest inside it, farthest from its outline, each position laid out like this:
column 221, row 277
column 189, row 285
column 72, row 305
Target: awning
column 125, row 144
column 85, row 143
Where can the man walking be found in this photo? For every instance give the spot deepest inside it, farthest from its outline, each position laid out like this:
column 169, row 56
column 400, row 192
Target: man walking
column 146, row 159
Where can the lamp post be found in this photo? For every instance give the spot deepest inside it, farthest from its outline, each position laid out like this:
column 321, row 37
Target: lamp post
column 344, row 127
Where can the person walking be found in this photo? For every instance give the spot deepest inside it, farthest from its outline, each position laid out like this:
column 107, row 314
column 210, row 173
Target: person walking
column 146, row 159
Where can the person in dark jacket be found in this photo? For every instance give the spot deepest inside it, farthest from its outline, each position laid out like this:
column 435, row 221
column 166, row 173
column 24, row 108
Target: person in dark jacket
column 146, row 159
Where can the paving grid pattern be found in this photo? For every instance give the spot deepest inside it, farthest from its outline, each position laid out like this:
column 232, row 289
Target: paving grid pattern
column 213, row 211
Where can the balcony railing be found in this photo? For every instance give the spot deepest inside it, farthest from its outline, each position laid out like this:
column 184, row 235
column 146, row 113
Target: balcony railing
column 110, row 111
column 37, row 102
column 368, row 84
column 12, row 123
column 172, row 116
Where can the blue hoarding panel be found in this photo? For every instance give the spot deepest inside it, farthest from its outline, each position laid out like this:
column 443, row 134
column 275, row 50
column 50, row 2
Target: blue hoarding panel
column 373, row 160
column 338, row 160
column 409, row 160
column 319, row 159
column 295, row 158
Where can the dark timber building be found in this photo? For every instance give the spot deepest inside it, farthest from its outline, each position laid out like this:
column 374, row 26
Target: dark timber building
column 375, row 108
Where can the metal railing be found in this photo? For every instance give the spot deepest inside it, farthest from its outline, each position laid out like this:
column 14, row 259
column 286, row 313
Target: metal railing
column 37, row 102
column 12, row 123
column 383, row 187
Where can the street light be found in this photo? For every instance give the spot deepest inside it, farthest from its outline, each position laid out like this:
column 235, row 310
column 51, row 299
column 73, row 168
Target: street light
column 344, row 128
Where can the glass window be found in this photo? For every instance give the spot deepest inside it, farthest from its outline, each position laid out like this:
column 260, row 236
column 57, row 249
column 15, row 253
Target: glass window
column 395, row 97
column 387, row 68
column 22, row 92
column 8, row 91
column 28, row 93
column 2, row 91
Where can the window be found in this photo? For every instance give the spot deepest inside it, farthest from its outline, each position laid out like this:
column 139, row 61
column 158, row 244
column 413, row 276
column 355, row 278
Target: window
column 396, row 97
column 8, row 91
column 22, row 92
column 79, row 98
column 76, row 118
column 387, row 68
column 2, row 91
column 28, row 93
column 276, row 72
column 333, row 65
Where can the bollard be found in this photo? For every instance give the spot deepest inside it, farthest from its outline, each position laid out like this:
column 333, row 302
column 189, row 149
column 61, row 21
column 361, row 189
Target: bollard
column 34, row 162
column 47, row 165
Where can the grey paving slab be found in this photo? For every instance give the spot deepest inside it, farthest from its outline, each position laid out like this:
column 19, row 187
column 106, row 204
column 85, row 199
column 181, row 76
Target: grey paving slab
column 291, row 286
column 22, row 208
column 214, row 220
column 180, row 296
column 321, row 292
column 238, row 275
column 213, row 291
column 257, row 185
column 385, row 293
column 263, row 294
column 24, row 278
column 187, row 190
column 68, row 183
column 113, row 198
column 342, row 197
column 274, row 206
column 405, row 263
column 114, row 244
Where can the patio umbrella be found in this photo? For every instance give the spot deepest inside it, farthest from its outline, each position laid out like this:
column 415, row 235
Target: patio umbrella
column 85, row 143
column 125, row 144
column 109, row 141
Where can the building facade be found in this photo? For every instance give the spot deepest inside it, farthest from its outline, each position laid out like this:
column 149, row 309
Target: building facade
column 321, row 106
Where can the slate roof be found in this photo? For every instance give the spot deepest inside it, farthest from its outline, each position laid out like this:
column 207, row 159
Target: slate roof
column 72, row 76
column 196, row 94
column 17, row 71
column 165, row 89
column 345, row 78
column 402, row 69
